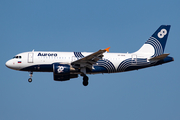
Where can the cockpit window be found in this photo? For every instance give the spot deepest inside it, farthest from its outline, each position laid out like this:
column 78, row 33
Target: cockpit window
column 17, row 57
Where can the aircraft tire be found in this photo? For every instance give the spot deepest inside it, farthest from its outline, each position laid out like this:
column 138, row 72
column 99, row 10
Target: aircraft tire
column 85, row 81
column 30, row 80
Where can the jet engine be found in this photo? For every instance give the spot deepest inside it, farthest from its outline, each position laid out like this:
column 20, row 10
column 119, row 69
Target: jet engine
column 61, row 72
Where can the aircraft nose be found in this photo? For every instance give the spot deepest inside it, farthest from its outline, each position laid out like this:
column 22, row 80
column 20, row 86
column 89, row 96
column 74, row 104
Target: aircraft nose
column 12, row 64
column 8, row 64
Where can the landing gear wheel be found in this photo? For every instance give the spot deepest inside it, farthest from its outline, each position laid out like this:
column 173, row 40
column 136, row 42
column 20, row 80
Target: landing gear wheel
column 85, row 83
column 85, row 80
column 30, row 80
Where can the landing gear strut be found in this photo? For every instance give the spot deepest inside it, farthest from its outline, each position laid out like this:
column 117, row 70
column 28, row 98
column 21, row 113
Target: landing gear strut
column 85, row 80
column 30, row 79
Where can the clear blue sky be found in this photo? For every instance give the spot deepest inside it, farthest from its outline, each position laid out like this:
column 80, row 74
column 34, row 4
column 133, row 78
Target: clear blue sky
column 69, row 25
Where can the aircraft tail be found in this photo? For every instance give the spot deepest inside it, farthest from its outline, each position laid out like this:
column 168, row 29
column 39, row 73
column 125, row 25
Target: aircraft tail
column 155, row 45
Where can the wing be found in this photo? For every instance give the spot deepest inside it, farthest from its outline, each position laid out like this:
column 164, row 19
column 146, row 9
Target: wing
column 89, row 60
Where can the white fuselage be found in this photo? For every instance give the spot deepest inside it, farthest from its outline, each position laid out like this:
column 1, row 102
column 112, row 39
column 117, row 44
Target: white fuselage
column 33, row 58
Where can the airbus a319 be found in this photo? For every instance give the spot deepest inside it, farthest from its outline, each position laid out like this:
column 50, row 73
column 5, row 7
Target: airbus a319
column 68, row 65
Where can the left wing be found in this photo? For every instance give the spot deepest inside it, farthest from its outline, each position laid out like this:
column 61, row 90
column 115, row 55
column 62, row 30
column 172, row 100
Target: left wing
column 89, row 60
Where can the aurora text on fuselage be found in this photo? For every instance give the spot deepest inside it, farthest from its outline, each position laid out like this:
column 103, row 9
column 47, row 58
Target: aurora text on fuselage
column 47, row 54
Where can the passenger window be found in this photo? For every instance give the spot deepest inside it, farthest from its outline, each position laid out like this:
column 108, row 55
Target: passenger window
column 19, row 57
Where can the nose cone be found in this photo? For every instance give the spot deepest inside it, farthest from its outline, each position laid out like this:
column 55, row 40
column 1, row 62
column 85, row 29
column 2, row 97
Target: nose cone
column 8, row 64
column 13, row 64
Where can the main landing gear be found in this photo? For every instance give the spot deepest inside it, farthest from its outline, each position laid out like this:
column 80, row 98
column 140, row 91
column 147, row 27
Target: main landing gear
column 85, row 80
column 30, row 79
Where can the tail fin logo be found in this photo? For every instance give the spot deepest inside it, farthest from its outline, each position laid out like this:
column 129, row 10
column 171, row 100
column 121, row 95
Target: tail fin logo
column 162, row 33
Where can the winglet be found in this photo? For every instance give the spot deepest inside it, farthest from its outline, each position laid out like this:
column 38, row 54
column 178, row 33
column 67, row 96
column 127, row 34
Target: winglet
column 107, row 49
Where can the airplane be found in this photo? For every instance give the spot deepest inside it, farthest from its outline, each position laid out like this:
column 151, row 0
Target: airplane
column 68, row 65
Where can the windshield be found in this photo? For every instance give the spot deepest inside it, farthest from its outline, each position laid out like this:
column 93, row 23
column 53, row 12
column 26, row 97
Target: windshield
column 17, row 57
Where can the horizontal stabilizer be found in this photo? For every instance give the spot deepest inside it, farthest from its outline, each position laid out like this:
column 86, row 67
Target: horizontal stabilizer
column 160, row 57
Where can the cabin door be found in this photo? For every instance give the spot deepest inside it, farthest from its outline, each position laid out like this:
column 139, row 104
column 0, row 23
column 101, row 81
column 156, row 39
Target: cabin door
column 30, row 57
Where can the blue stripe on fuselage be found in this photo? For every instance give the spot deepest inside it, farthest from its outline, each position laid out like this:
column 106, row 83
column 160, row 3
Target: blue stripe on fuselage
column 39, row 68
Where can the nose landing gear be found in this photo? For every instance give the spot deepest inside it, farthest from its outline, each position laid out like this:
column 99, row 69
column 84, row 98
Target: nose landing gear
column 30, row 79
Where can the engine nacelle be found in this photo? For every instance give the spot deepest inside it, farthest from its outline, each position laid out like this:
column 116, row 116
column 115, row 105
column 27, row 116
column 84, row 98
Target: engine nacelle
column 61, row 69
column 62, row 72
